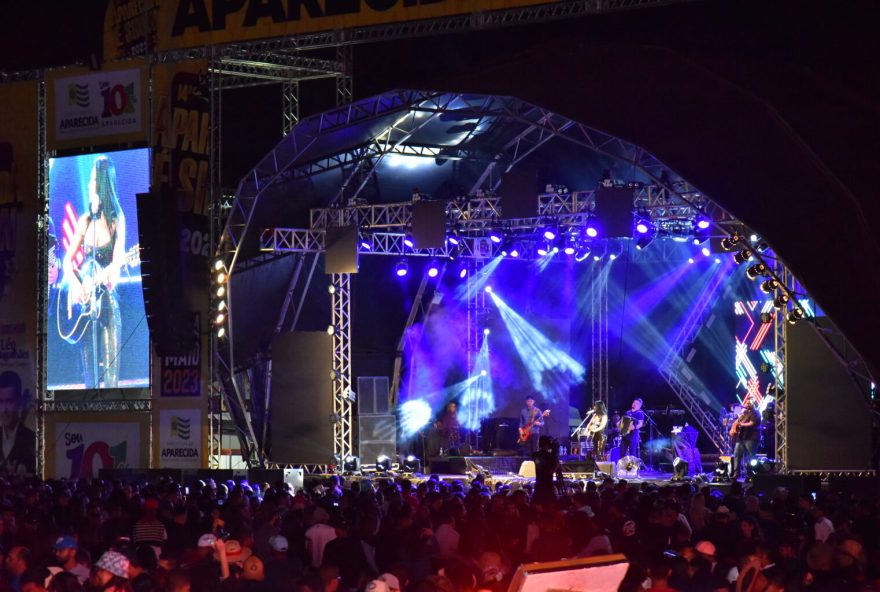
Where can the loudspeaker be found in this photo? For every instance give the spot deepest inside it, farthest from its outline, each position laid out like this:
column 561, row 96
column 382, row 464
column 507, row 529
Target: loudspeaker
column 372, row 395
column 377, row 435
column 797, row 485
column 579, row 466
column 449, row 465
column 606, row 467
column 527, row 469
column 519, row 194
column 341, row 250
column 162, row 273
column 614, row 210
column 429, row 224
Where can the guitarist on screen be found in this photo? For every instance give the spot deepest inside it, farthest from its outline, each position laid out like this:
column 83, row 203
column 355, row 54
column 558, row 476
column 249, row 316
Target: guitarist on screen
column 530, row 422
column 100, row 233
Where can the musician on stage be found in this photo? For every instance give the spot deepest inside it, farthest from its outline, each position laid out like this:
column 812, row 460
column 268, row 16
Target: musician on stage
column 449, row 427
column 630, row 424
column 596, row 429
column 530, row 422
column 747, row 431
column 101, row 234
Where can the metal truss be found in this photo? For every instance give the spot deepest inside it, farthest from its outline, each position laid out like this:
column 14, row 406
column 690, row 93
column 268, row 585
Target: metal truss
column 240, row 69
column 826, row 475
column 42, row 166
column 674, row 368
column 289, row 105
column 780, row 371
column 98, row 405
column 345, row 79
column 599, row 357
column 558, row 10
column 343, row 416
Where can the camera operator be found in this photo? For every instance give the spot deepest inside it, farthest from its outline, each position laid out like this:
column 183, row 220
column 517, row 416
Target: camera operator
column 546, row 465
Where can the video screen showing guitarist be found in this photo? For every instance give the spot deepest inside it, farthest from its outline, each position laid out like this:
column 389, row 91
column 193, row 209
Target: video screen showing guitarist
column 531, row 419
column 97, row 334
column 100, row 232
column 746, row 431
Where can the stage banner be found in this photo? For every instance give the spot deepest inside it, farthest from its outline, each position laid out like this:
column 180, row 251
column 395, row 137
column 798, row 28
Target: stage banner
column 18, row 279
column 103, row 108
column 129, row 28
column 82, row 444
column 181, row 375
column 180, row 442
column 192, row 23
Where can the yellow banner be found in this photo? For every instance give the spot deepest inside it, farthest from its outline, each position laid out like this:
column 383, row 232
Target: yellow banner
column 129, row 28
column 95, row 109
column 18, row 281
column 191, row 23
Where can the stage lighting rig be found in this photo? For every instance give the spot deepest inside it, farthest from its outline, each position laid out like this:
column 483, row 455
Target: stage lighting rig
column 742, row 256
column 453, row 238
column 550, row 232
column 780, row 301
column 383, row 463
column 411, row 464
column 794, row 315
column 768, row 286
column 582, row 253
column 756, row 271
column 351, row 464
column 433, row 269
column 702, row 222
column 402, row 268
column 643, row 241
column 365, row 241
column 408, row 241
column 679, row 469
column 592, row 228
column 462, row 270
column 728, row 243
column 220, row 279
column 496, row 236
column 766, row 318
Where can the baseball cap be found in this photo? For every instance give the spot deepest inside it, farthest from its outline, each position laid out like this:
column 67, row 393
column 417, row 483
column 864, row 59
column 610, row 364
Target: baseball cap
column 706, row 548
column 391, row 581
column 65, row 542
column 115, row 563
column 207, row 540
column 278, row 543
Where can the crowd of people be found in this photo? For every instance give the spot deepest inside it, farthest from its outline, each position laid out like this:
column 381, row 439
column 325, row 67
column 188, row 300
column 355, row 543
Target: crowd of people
column 398, row 535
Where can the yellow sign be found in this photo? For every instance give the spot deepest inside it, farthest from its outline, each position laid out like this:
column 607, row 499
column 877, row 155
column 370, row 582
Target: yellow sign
column 192, row 23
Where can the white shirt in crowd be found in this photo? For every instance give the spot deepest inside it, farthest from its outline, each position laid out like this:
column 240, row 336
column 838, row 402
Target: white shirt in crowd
column 447, row 540
column 317, row 537
column 823, row 529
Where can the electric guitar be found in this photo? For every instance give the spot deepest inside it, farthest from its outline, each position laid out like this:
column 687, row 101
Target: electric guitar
column 74, row 315
column 526, row 431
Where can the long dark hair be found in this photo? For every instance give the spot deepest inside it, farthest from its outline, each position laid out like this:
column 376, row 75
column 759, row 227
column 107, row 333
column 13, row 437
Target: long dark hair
column 599, row 408
column 105, row 187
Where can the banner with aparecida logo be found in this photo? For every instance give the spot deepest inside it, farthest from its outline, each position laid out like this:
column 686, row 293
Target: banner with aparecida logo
column 180, row 439
column 102, row 108
column 83, row 444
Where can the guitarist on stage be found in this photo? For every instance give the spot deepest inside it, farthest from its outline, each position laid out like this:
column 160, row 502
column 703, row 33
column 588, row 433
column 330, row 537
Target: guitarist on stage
column 101, row 234
column 747, row 431
column 530, row 422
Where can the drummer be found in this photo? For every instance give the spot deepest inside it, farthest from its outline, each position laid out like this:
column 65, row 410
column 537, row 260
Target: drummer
column 630, row 424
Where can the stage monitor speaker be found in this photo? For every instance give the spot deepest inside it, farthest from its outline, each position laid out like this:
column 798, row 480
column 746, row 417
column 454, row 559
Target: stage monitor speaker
column 449, row 465
column 301, row 419
column 614, row 211
column 591, row 574
column 429, row 224
column 162, row 273
column 579, row 466
column 606, row 467
column 377, row 435
column 293, row 477
column 519, row 194
column 341, row 250
column 372, row 395
column 527, row 469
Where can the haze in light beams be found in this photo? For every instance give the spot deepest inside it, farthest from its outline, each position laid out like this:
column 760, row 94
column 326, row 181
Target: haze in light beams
column 478, row 400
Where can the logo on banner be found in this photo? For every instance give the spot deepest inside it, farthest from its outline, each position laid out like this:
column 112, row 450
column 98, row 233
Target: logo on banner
column 178, row 449
column 83, row 449
column 180, row 427
column 98, row 104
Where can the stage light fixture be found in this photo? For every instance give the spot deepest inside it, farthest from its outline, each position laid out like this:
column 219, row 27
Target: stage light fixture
column 722, row 470
column 612, row 257
column 550, row 233
column 756, row 270
column 794, row 315
column 780, row 301
column 218, row 264
column 516, row 249
column 702, row 222
column 408, row 241
column 642, row 227
column 742, row 256
column 402, row 268
column 488, row 289
column 768, row 286
column 433, row 269
column 411, row 464
column 331, row 329
column 679, row 469
column 221, row 305
column 484, row 373
column 221, row 277
column 592, row 229
column 582, row 253
column 221, row 292
column 452, row 238
column 643, row 241
column 487, row 331
column 383, row 463
column 766, row 318
column 496, row 236
column 690, row 259
column 728, row 243
column 221, row 332
column 543, row 249
column 705, row 251
column 220, row 318
column 351, row 464
column 462, row 270
column 570, row 245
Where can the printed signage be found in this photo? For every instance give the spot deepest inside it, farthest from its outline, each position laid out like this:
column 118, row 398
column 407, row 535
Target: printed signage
column 180, row 439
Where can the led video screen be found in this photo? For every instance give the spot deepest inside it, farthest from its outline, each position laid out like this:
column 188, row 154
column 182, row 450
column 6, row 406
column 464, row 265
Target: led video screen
column 97, row 334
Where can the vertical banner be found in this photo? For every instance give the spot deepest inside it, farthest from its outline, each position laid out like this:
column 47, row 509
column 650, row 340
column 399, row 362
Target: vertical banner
column 103, row 108
column 18, row 278
column 180, row 445
column 81, row 444
column 180, row 141
column 182, row 375
column 129, row 28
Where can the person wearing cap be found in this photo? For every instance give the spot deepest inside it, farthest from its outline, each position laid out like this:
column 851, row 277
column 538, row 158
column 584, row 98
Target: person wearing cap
column 111, row 573
column 65, row 552
column 280, row 567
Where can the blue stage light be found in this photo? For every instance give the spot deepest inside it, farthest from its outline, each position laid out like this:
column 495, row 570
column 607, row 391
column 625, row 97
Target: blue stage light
column 582, row 253
column 592, row 229
column 550, row 233
column 496, row 236
column 642, row 227
column 408, row 241
column 516, row 250
column 414, row 415
column 462, row 270
column 542, row 250
column 452, row 238
column 366, row 242
column 702, row 222
column 433, row 269
column 706, row 252
column 402, row 268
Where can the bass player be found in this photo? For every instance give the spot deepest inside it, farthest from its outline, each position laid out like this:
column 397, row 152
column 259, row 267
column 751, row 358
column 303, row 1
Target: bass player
column 630, row 424
column 530, row 422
